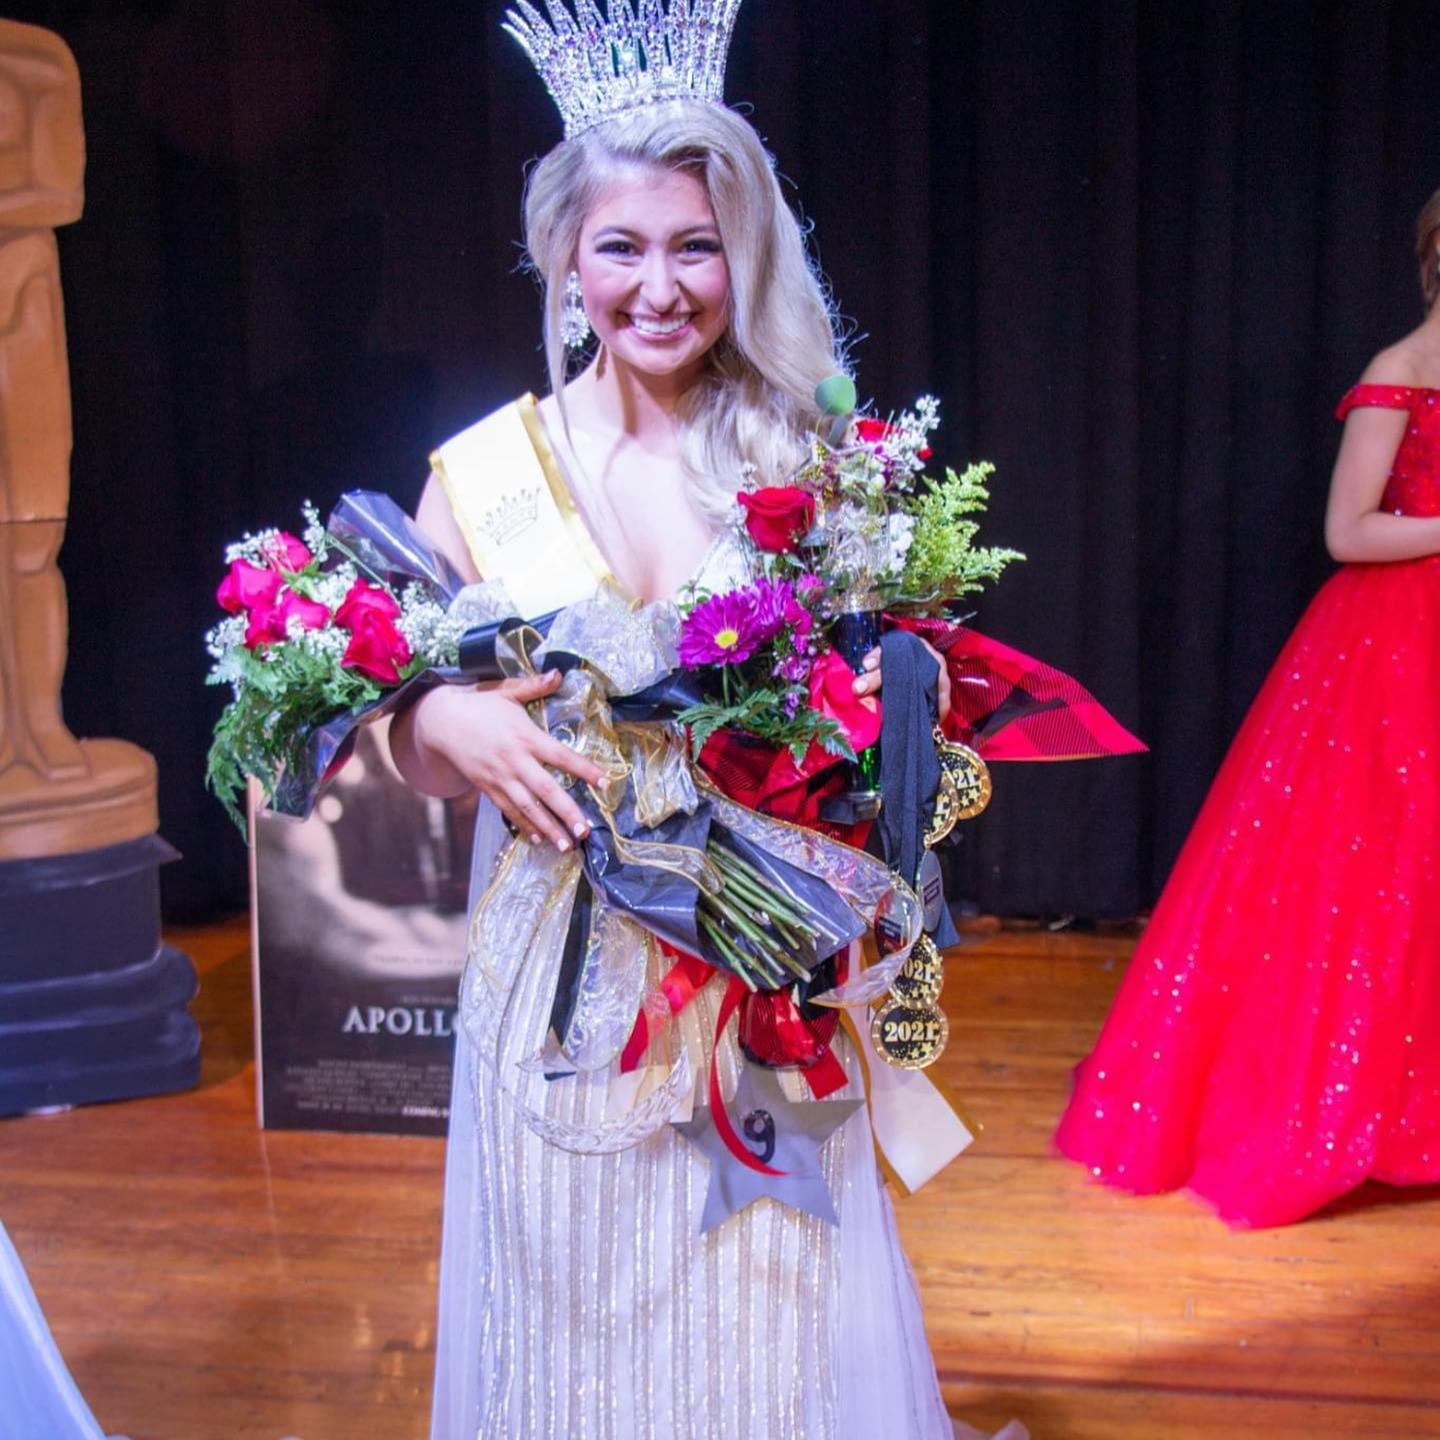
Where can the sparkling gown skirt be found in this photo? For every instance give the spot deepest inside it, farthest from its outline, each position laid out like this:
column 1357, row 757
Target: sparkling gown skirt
column 1277, row 1038
column 578, row 1300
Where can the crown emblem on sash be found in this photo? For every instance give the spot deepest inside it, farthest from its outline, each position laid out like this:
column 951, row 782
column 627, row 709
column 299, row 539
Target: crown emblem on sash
column 515, row 513
column 638, row 52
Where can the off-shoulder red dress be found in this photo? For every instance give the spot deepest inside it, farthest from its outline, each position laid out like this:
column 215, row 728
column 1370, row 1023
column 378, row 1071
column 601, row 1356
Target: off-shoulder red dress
column 1277, row 1038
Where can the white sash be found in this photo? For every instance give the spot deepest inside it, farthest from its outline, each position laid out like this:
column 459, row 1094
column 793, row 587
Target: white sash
column 515, row 510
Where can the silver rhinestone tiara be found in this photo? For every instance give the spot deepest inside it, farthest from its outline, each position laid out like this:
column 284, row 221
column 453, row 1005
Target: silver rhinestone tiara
column 640, row 52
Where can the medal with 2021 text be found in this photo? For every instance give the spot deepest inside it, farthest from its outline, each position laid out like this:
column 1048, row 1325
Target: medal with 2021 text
column 909, row 1030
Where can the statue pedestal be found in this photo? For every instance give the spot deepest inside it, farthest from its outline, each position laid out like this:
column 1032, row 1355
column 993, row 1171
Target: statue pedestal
column 92, row 1003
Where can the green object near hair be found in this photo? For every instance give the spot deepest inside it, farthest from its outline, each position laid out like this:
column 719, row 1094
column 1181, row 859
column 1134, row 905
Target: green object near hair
column 836, row 395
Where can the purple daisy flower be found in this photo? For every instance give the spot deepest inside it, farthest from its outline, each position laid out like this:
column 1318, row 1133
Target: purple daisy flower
column 723, row 630
column 728, row 629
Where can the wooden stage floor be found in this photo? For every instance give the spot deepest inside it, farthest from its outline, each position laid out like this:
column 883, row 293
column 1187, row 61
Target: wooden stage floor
column 207, row 1281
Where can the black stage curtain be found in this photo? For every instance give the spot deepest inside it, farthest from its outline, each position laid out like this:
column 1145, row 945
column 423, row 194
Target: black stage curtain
column 1138, row 250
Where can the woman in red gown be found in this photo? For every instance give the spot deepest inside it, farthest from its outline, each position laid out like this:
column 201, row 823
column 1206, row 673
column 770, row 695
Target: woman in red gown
column 1277, row 1039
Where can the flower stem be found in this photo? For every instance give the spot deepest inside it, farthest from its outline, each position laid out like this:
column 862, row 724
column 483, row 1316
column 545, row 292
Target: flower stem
column 749, row 880
column 766, row 944
column 721, row 942
column 338, row 544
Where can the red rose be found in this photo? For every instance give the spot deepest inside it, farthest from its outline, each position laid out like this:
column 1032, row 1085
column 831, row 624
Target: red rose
column 875, row 432
column 270, row 624
column 777, row 516
column 376, row 648
column 832, row 693
column 311, row 614
column 364, row 599
column 246, row 586
column 283, row 551
column 265, row 627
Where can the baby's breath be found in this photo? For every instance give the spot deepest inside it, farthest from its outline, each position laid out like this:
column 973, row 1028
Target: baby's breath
column 315, row 535
column 332, row 587
column 252, row 547
column 225, row 637
column 433, row 633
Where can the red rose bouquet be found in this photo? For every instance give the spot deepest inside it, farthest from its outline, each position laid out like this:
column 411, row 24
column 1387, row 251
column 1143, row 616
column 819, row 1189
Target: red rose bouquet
column 314, row 629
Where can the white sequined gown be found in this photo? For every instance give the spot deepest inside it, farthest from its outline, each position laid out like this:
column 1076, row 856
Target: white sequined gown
column 578, row 1300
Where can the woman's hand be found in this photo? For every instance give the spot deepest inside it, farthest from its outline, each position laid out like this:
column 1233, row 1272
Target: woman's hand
column 488, row 742
column 867, row 682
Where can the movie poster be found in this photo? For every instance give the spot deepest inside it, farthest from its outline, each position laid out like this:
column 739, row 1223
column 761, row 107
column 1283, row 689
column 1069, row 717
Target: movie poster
column 359, row 922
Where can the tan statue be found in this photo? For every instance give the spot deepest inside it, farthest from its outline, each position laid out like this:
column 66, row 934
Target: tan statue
column 57, row 794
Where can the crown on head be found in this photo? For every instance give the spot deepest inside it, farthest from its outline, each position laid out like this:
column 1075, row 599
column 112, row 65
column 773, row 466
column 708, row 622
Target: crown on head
column 641, row 52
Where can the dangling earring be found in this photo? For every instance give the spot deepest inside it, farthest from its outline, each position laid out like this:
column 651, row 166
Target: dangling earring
column 574, row 322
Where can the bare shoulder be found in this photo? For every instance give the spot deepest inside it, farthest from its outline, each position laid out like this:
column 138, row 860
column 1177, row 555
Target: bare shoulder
column 1403, row 363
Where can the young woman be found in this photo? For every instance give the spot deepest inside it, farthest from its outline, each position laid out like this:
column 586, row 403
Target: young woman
column 579, row 1297
column 1277, row 1038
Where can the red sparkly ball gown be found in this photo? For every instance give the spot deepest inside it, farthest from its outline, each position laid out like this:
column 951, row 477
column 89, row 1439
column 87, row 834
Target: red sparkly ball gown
column 1277, row 1038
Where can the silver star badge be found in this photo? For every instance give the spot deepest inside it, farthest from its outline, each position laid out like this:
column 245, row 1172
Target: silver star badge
column 785, row 1134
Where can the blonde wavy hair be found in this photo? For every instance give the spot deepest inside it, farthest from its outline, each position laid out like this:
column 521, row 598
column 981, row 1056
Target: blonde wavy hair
column 754, row 405
column 1427, row 231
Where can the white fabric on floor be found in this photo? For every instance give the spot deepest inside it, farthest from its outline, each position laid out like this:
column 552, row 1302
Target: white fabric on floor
column 37, row 1396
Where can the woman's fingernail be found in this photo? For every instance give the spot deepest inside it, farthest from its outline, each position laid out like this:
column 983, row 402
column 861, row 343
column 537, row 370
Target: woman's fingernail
column 562, row 844
column 581, row 830
column 536, row 840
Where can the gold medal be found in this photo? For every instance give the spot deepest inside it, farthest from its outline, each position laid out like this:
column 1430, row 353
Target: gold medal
column 970, row 774
column 964, row 787
column 923, row 975
column 911, row 1037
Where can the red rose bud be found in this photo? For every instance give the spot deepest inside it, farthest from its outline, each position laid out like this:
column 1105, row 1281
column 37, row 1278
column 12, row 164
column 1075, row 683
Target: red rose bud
column 832, row 693
column 246, row 586
column 777, row 516
column 285, row 552
column 266, row 627
column 364, row 599
column 376, row 648
column 872, row 432
column 311, row 614
column 270, row 624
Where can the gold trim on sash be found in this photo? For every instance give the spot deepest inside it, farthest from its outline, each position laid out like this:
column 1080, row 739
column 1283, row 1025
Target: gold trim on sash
column 560, row 490
column 461, row 513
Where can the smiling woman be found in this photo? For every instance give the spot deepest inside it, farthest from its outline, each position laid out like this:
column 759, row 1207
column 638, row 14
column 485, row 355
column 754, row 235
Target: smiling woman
column 770, row 343
column 653, row 275
column 583, row 1289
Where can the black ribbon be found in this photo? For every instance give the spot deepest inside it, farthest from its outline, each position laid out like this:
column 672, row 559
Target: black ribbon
column 909, row 769
column 479, row 653
column 572, row 960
